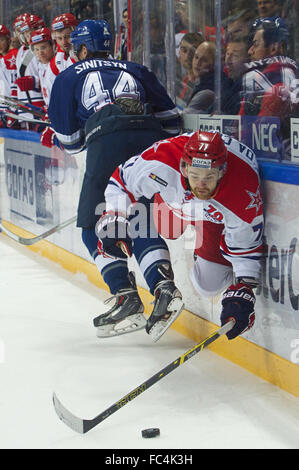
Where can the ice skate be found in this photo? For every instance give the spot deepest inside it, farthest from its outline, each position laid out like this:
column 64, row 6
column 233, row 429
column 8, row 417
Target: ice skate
column 125, row 316
column 168, row 305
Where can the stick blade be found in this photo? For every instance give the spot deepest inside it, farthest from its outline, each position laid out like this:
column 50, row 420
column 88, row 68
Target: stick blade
column 37, row 238
column 72, row 421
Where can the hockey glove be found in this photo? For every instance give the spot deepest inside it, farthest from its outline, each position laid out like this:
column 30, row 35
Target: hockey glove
column 48, row 138
column 238, row 304
column 114, row 237
column 12, row 123
column 3, row 119
column 27, row 83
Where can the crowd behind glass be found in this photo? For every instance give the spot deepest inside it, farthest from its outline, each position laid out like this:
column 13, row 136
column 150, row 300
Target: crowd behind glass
column 255, row 74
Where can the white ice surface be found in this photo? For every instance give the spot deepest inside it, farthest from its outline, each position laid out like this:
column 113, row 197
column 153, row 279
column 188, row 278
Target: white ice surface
column 48, row 342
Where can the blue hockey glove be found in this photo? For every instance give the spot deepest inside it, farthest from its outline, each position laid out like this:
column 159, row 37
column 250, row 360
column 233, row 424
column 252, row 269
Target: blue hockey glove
column 114, row 237
column 238, row 304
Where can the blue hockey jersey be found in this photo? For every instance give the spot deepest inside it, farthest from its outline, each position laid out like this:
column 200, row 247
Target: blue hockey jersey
column 83, row 88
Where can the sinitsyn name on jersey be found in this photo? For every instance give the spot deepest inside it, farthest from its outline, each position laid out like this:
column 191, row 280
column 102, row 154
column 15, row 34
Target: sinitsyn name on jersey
column 95, row 63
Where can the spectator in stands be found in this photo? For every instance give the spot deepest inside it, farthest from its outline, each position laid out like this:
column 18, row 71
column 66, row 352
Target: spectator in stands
column 203, row 69
column 181, row 22
column 121, row 42
column 236, row 56
column 270, row 79
column 238, row 25
column 203, row 95
column 124, row 36
column 88, row 11
column 267, row 83
column 157, row 45
column 269, row 8
column 188, row 46
column 125, row 18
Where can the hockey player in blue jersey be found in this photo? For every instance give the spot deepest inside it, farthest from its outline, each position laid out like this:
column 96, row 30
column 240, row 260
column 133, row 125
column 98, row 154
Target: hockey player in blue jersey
column 114, row 109
column 96, row 80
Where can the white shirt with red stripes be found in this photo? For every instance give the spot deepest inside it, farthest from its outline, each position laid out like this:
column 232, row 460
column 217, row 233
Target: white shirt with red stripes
column 58, row 64
column 8, row 74
column 27, row 64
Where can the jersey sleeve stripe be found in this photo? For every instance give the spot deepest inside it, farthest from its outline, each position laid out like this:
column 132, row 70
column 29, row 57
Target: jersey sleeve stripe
column 252, row 257
column 118, row 181
column 54, row 67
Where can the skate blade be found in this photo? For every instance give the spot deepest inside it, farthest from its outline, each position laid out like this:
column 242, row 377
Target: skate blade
column 128, row 325
column 176, row 306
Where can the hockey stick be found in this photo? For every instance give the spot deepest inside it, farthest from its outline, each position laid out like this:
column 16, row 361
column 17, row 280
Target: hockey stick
column 84, row 425
column 31, row 241
column 13, row 102
column 22, row 69
column 19, row 117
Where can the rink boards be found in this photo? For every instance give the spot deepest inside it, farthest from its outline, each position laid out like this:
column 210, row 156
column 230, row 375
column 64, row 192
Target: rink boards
column 40, row 188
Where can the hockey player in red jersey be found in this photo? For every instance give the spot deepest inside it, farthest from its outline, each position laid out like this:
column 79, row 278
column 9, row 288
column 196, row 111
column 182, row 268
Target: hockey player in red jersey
column 8, row 72
column 28, row 90
column 208, row 180
column 61, row 28
column 42, row 45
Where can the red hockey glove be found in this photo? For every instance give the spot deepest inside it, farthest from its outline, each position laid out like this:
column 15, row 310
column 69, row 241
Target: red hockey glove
column 276, row 102
column 26, row 83
column 3, row 119
column 238, row 303
column 114, row 236
column 47, row 137
column 12, row 123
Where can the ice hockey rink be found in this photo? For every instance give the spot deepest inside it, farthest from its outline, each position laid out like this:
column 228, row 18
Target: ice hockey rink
column 48, row 343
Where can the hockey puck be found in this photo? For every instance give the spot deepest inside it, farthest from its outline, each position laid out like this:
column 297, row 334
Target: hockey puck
column 151, row 432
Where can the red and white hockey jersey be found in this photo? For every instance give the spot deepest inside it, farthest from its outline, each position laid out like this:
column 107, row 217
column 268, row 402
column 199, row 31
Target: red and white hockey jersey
column 267, row 85
column 8, row 75
column 43, row 82
column 58, row 64
column 9, row 70
column 27, row 64
column 229, row 225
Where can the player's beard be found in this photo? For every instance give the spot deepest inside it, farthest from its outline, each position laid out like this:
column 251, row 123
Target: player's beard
column 203, row 194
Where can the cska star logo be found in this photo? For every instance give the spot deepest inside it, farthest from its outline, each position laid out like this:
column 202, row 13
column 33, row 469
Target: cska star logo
column 12, row 62
column 256, row 200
